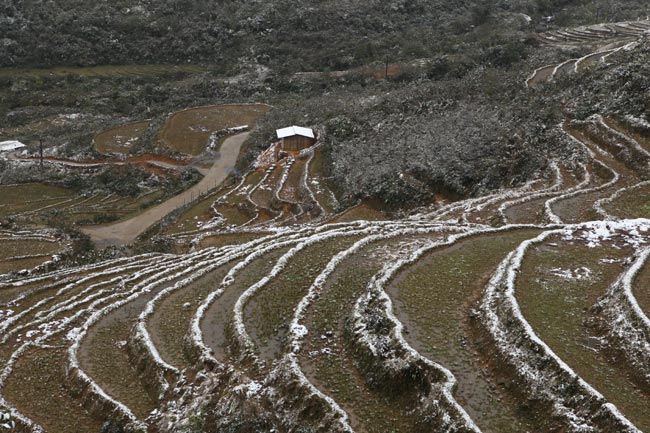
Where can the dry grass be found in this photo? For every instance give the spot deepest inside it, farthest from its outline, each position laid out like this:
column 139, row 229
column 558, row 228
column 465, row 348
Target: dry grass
column 26, row 247
column 269, row 312
column 82, row 210
column 219, row 316
column 433, row 299
column 27, row 319
column 557, row 309
column 224, row 239
column 16, row 199
column 35, row 388
column 633, row 203
column 292, row 189
column 365, row 211
column 188, row 131
column 35, row 290
column 318, row 184
column 328, row 358
column 22, row 264
column 105, row 359
column 240, row 195
column 104, row 355
column 121, row 138
column 235, row 216
column 190, row 219
column 171, row 319
column 38, row 199
column 201, row 212
column 264, row 195
column 11, row 249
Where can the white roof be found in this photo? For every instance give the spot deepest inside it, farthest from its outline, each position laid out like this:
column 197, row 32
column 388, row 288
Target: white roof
column 295, row 130
column 10, row 145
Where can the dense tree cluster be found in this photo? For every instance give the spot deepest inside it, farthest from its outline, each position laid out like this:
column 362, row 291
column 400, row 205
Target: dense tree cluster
column 282, row 33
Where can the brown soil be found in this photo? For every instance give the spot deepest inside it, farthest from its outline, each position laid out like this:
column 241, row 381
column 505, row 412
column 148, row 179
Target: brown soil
column 127, row 231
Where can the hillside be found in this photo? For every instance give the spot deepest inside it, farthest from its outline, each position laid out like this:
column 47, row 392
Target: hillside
column 473, row 56
column 462, row 247
column 285, row 35
column 445, row 59
column 287, row 316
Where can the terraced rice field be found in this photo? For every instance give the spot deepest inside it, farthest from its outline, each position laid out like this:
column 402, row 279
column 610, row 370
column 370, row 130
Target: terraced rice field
column 523, row 310
column 34, row 203
column 13, row 198
column 27, row 250
column 188, row 131
column 595, row 34
column 121, row 138
column 604, row 39
column 451, row 278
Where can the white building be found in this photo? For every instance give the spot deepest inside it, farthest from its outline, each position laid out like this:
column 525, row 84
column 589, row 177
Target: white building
column 8, row 146
column 296, row 138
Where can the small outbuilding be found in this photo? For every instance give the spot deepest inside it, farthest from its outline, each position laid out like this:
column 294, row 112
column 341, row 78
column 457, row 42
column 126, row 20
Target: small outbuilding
column 8, row 146
column 296, row 138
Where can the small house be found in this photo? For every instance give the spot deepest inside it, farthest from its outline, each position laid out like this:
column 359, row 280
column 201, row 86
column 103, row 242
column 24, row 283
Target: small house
column 296, row 138
column 8, row 146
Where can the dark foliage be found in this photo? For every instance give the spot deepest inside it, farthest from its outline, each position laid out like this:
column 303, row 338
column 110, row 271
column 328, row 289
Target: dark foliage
column 291, row 34
column 462, row 124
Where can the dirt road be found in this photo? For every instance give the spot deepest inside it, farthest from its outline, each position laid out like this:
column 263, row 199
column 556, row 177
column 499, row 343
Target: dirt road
column 125, row 232
column 49, row 160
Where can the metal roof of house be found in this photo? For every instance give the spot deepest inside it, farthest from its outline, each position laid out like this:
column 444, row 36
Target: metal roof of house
column 10, row 145
column 295, row 130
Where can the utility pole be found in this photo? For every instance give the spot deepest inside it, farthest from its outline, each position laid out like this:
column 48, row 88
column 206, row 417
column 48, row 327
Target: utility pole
column 41, row 152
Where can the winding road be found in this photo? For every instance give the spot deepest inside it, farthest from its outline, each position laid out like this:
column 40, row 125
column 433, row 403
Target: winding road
column 125, row 232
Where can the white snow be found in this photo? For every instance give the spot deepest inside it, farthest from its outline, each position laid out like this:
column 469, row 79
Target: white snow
column 299, row 331
column 295, row 130
column 581, row 273
column 638, row 121
column 250, row 389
